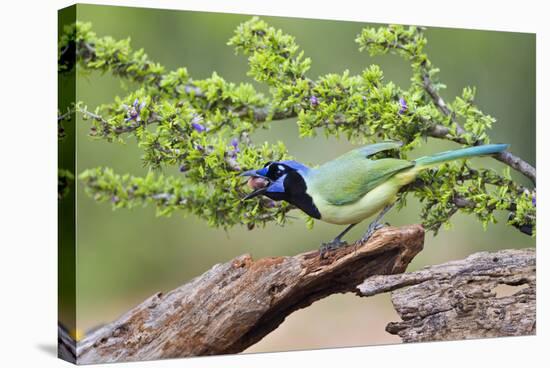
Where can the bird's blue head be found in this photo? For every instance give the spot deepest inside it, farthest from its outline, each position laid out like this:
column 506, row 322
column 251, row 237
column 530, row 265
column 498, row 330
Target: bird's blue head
column 284, row 181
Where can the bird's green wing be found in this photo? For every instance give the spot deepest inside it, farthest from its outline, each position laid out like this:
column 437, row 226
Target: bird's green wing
column 369, row 150
column 372, row 149
column 351, row 176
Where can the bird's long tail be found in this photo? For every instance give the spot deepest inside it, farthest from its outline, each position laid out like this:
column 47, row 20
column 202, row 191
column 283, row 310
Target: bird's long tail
column 439, row 158
column 426, row 162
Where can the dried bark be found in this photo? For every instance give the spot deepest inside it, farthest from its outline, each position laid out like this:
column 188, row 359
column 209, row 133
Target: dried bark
column 66, row 345
column 235, row 304
column 463, row 299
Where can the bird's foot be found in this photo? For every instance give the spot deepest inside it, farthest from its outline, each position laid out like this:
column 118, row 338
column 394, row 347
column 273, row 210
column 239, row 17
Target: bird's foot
column 327, row 247
column 373, row 227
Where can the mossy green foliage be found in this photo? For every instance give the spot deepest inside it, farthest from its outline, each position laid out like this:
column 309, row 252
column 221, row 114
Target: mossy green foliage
column 203, row 126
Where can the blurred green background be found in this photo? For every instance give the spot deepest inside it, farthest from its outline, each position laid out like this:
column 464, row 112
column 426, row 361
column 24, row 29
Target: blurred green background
column 125, row 256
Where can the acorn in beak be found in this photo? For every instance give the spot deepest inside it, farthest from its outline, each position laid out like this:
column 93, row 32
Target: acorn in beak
column 257, row 182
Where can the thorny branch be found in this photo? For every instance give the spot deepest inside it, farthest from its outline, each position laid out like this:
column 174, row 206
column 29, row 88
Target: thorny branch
column 86, row 51
column 340, row 104
column 440, row 131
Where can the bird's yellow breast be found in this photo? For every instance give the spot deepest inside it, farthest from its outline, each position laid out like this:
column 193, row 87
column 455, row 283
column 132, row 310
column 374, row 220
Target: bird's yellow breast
column 352, row 213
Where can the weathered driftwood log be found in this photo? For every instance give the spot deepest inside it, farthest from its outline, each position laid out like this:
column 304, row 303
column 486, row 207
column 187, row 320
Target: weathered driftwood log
column 235, row 304
column 66, row 345
column 484, row 295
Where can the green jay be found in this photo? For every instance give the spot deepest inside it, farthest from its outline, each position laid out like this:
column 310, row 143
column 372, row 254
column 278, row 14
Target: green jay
column 352, row 187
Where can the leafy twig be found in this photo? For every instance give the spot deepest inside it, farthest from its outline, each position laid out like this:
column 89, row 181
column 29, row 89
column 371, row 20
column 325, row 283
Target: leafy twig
column 440, row 131
column 189, row 123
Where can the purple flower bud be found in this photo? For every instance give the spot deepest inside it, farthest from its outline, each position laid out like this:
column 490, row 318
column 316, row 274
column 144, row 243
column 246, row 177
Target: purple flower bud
column 235, row 144
column 403, row 104
column 314, row 101
column 196, row 123
column 115, row 199
column 198, row 127
column 183, row 168
column 191, row 89
column 133, row 112
column 534, row 200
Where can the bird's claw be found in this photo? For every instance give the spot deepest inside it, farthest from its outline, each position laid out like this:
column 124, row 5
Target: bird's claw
column 371, row 230
column 327, row 247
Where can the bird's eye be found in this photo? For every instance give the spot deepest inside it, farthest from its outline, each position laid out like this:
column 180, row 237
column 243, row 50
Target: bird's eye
column 281, row 168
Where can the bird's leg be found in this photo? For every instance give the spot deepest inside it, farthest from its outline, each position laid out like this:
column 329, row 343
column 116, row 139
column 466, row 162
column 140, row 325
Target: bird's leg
column 336, row 242
column 375, row 225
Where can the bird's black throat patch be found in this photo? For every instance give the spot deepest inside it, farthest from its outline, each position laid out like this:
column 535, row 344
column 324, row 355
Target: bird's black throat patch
column 296, row 193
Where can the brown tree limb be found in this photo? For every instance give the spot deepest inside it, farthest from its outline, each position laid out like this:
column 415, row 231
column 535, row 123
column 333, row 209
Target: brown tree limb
column 235, row 304
column 484, row 295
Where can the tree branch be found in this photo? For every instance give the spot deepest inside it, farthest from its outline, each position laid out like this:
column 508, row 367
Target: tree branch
column 235, row 304
column 439, row 102
column 66, row 345
column 440, row 131
column 86, row 52
column 484, row 295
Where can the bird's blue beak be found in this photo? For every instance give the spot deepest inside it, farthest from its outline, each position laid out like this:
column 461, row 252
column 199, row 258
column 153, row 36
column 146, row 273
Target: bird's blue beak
column 248, row 173
column 261, row 173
